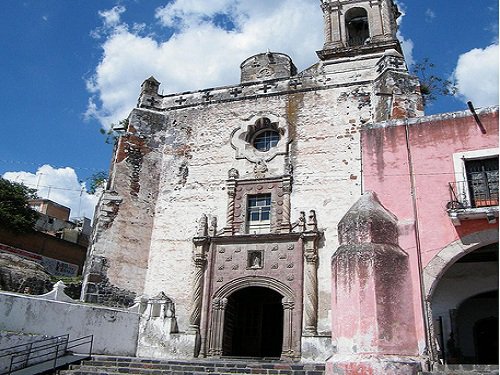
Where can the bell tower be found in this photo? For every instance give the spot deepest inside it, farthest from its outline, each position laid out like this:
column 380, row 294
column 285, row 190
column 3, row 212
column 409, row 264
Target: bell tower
column 358, row 27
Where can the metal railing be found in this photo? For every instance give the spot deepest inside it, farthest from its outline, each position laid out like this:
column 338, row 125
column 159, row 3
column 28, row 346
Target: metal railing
column 47, row 350
column 473, row 194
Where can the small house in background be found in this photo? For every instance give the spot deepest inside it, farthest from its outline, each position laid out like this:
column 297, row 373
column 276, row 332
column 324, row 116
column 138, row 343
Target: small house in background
column 58, row 242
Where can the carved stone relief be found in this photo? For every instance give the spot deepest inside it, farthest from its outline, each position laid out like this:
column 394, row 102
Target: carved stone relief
column 241, row 139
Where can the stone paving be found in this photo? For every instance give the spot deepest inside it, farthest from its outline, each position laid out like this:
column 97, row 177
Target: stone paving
column 462, row 370
column 127, row 365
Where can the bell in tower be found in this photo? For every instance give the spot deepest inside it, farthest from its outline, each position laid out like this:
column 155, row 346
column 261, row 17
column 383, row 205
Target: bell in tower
column 359, row 27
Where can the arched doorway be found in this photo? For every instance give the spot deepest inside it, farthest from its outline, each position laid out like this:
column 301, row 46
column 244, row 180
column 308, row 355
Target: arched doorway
column 464, row 308
column 253, row 323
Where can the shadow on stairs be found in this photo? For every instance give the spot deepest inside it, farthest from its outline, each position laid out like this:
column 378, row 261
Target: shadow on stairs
column 129, row 365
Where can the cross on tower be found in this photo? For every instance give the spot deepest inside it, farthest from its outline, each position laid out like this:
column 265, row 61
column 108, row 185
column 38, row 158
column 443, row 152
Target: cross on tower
column 207, row 96
column 180, row 101
column 236, row 91
column 266, row 87
column 294, row 83
column 152, row 101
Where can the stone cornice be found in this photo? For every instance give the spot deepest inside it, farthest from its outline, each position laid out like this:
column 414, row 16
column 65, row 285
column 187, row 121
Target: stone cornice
column 244, row 91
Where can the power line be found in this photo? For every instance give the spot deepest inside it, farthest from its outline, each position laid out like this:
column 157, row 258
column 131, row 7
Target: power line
column 42, row 164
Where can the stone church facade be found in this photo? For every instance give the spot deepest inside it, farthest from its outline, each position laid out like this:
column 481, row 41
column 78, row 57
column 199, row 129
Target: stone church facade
column 238, row 209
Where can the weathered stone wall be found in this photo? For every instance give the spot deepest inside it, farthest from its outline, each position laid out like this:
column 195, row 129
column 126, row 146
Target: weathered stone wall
column 118, row 255
column 186, row 149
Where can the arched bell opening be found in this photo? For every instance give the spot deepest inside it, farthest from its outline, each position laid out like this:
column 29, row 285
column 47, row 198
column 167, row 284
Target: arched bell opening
column 357, row 27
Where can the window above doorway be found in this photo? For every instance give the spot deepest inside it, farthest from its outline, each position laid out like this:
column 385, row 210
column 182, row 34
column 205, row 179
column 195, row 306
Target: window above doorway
column 259, row 214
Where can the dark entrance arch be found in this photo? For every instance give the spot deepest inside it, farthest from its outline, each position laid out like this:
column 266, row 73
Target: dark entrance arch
column 465, row 308
column 253, row 323
column 486, row 340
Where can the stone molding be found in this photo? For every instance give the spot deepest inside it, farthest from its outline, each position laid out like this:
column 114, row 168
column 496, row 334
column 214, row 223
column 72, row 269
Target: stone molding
column 241, row 138
column 238, row 192
column 438, row 265
column 265, row 282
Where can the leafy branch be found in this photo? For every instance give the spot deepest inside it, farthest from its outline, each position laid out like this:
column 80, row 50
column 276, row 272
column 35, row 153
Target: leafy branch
column 431, row 84
column 114, row 132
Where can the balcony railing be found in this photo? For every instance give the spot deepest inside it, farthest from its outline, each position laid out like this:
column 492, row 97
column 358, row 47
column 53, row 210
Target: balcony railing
column 476, row 193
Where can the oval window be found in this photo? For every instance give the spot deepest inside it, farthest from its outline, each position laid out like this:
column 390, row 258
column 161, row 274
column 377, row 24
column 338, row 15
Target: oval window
column 266, row 139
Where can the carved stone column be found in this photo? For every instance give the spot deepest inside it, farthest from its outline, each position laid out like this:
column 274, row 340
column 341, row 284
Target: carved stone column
column 310, row 283
column 287, row 190
column 287, row 348
column 217, row 326
column 328, row 22
column 335, row 32
column 200, row 261
column 231, row 192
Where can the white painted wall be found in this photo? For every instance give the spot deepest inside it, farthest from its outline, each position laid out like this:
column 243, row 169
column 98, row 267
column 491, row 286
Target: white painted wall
column 115, row 330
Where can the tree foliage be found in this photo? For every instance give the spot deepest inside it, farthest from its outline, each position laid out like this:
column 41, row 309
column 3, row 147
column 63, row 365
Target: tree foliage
column 97, row 181
column 114, row 132
column 15, row 213
column 431, row 84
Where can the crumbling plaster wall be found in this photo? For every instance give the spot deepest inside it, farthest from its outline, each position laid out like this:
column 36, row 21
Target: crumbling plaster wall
column 324, row 151
column 429, row 142
column 182, row 154
column 118, row 255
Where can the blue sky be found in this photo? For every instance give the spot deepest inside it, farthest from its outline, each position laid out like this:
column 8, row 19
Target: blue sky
column 70, row 67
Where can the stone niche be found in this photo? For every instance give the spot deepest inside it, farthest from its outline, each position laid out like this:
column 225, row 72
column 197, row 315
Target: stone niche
column 267, row 66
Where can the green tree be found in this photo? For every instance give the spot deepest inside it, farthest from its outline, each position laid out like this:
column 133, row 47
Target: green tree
column 96, row 181
column 114, row 132
column 431, row 84
column 15, row 212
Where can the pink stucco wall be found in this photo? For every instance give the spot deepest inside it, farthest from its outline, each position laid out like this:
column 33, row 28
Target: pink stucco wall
column 428, row 143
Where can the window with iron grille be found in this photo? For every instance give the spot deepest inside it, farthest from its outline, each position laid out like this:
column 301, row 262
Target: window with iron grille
column 482, row 181
column 259, row 213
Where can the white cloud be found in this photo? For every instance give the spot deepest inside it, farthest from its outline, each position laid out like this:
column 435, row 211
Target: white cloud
column 406, row 44
column 112, row 16
column 476, row 76
column 60, row 185
column 429, row 15
column 200, row 53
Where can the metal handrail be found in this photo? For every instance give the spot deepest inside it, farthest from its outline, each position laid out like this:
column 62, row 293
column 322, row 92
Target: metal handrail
column 23, row 357
column 462, row 196
column 11, row 351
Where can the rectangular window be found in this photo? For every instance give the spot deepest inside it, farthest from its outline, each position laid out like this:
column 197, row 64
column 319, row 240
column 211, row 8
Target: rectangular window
column 259, row 213
column 482, row 181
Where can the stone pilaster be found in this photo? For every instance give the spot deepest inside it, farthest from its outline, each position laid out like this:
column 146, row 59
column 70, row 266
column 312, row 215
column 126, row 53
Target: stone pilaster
column 287, row 190
column 200, row 261
column 218, row 311
column 287, row 350
column 231, row 192
column 310, row 283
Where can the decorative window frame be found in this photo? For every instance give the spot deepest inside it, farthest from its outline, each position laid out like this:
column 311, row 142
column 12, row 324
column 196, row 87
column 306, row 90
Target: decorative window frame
column 242, row 139
column 456, row 215
column 459, row 159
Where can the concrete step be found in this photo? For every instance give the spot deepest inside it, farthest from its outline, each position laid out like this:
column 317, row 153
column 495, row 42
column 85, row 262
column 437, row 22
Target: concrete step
column 127, row 365
column 463, row 370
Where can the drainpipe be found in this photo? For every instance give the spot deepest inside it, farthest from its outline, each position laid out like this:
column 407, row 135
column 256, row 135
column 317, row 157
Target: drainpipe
column 428, row 350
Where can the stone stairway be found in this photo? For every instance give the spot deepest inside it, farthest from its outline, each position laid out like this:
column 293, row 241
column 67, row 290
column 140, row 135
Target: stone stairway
column 462, row 370
column 104, row 365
